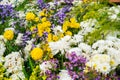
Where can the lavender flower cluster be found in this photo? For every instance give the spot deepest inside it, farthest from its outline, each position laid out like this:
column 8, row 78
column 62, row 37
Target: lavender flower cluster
column 42, row 5
column 5, row 12
column 75, row 65
column 51, row 74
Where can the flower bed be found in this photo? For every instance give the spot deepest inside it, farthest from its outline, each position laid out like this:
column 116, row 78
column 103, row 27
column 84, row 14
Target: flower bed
column 59, row 40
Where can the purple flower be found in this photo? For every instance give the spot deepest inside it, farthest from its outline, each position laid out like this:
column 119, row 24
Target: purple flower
column 6, row 11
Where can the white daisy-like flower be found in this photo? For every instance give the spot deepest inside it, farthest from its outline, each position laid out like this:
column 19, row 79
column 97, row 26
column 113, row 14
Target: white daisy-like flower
column 13, row 62
column 105, row 68
column 61, row 45
column 64, row 75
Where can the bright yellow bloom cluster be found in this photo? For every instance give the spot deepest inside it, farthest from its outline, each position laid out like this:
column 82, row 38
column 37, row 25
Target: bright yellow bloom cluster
column 9, row 34
column 52, row 37
column 44, row 26
column 70, row 24
column 30, row 16
column 36, row 53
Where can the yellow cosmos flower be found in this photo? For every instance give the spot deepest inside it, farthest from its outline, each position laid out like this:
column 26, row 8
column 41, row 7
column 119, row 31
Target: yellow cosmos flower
column 9, row 34
column 36, row 53
column 30, row 16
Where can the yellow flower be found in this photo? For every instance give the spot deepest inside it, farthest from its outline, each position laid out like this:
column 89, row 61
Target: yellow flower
column 65, row 25
column 49, row 37
column 36, row 19
column 48, row 23
column 32, row 28
column 9, row 34
column 30, row 16
column 73, row 19
column 55, row 38
column 68, row 33
column 74, row 25
column 43, row 19
column 36, row 53
column 42, row 13
column 48, row 30
column 40, row 29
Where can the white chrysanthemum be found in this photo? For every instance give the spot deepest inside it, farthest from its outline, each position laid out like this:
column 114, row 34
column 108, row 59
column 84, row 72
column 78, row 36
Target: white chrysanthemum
column 61, row 45
column 85, row 48
column 13, row 62
column 64, row 75
column 45, row 66
column 2, row 48
column 18, row 41
column 18, row 76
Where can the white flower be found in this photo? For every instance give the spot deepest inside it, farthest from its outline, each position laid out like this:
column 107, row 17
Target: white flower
column 1, row 59
column 2, row 49
column 21, row 14
column 10, row 29
column 13, row 62
column 64, row 75
column 87, row 26
column 76, row 39
column 45, row 66
column 28, row 48
column 105, row 68
column 18, row 41
column 61, row 45
column 2, row 39
column 85, row 48
column 18, row 76
column 76, row 50
column 57, row 30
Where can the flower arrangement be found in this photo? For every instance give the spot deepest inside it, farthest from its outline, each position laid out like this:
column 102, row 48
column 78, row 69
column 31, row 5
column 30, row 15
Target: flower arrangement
column 59, row 40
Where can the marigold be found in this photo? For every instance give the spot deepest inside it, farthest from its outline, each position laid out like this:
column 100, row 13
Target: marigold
column 36, row 53
column 9, row 34
column 30, row 16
